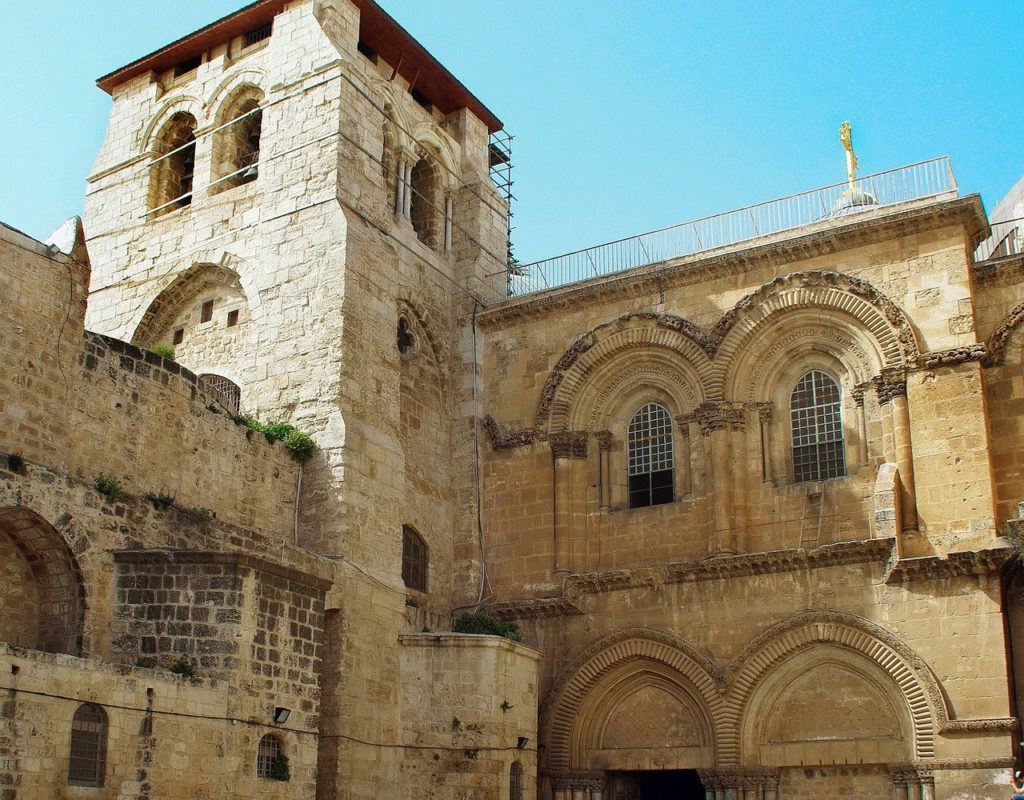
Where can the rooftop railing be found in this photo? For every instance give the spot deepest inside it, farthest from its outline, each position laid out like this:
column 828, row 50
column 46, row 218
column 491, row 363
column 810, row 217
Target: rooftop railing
column 999, row 239
column 914, row 182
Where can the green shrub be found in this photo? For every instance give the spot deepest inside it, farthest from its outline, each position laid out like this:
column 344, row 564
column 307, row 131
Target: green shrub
column 299, row 444
column 482, row 623
column 163, row 350
column 160, row 500
column 108, row 487
column 279, row 770
column 185, row 667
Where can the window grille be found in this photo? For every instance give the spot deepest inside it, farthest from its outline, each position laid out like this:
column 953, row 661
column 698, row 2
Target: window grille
column 267, row 753
column 651, row 460
column 249, row 38
column 414, row 559
column 817, row 428
column 88, row 760
column 228, row 392
column 515, row 781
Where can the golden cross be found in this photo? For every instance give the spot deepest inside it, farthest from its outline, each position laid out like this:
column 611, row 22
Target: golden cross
column 846, row 138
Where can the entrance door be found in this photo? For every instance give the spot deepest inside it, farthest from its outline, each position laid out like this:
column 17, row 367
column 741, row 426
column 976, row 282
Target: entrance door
column 676, row 784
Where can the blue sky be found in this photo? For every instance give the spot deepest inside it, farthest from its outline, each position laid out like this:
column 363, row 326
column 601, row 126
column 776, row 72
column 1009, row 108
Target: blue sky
column 627, row 116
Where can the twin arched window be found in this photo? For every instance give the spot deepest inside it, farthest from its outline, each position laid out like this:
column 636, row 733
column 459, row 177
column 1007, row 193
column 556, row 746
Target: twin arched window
column 650, row 460
column 88, row 757
column 817, row 428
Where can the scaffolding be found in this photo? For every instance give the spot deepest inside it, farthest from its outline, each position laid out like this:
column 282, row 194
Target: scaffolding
column 499, row 151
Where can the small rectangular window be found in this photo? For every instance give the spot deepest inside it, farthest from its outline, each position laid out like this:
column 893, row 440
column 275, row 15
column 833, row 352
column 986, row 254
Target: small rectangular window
column 367, row 51
column 249, row 38
column 179, row 336
column 207, row 313
column 421, row 98
column 232, row 318
column 187, row 66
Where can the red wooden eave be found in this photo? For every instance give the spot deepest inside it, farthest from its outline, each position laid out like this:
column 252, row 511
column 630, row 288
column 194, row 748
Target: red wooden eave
column 376, row 29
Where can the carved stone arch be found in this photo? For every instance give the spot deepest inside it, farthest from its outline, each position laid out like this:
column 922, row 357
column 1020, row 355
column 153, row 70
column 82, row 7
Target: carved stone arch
column 915, row 682
column 231, row 84
column 870, row 311
column 633, row 650
column 176, row 105
column 180, row 290
column 1007, row 341
column 59, row 588
column 609, row 341
column 393, row 114
column 431, row 142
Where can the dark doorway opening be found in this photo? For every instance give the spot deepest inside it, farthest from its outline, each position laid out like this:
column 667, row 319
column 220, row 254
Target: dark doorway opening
column 669, row 784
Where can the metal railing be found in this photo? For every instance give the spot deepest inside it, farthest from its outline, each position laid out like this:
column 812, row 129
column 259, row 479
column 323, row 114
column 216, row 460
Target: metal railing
column 913, row 182
column 999, row 239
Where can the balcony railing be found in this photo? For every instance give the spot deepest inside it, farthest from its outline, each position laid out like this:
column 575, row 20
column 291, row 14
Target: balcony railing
column 914, row 182
column 1000, row 239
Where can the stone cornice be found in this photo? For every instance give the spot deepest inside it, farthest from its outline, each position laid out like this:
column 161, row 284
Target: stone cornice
column 731, row 566
column 1004, row 271
column 501, row 440
column 953, row 565
column 540, row 608
column 782, row 250
column 951, row 357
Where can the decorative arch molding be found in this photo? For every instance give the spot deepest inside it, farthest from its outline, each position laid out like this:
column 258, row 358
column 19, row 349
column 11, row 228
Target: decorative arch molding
column 428, row 137
column 393, row 114
column 624, row 377
column 234, row 82
column 186, row 285
column 181, row 103
column 640, row 645
column 1007, row 340
column 864, row 309
column 58, row 578
column 763, row 654
column 613, row 340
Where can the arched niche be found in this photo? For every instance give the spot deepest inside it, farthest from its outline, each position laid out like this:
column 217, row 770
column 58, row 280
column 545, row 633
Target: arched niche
column 42, row 596
column 589, row 720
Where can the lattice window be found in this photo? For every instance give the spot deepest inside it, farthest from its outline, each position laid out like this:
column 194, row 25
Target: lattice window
column 267, row 753
column 88, row 761
column 815, row 409
column 651, row 459
column 228, row 392
column 515, row 781
column 414, row 559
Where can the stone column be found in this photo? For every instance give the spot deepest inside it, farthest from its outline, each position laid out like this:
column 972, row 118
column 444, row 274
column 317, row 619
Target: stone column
column 893, row 388
column 564, row 448
column 604, row 470
column 765, row 417
column 448, row 218
column 713, row 425
column 400, row 186
column 736, row 419
column 862, row 425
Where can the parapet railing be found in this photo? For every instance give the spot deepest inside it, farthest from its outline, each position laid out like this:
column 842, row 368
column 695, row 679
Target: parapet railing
column 913, row 182
column 999, row 239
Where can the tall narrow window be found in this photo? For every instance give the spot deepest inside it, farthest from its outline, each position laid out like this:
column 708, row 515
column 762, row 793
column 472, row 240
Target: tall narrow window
column 236, row 143
column 650, row 457
column 88, row 762
column 267, row 754
column 515, row 781
column 414, row 559
column 424, row 207
column 817, row 427
column 173, row 169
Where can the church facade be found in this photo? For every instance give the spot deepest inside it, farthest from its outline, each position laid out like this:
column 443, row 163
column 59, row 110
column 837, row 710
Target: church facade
column 751, row 502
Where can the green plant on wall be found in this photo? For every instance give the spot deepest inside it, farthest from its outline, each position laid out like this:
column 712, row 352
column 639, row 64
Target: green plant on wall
column 279, row 770
column 298, row 443
column 185, row 667
column 108, row 486
column 482, row 623
column 163, row 350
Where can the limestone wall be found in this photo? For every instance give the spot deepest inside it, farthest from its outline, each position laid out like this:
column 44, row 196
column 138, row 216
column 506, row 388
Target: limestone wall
column 469, row 702
column 166, row 736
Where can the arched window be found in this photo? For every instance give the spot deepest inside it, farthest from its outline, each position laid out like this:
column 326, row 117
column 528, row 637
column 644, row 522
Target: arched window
column 817, row 428
column 236, row 148
column 88, row 762
column 414, row 559
column 424, row 206
column 228, row 392
column 267, row 755
column 515, row 781
column 650, row 457
column 174, row 166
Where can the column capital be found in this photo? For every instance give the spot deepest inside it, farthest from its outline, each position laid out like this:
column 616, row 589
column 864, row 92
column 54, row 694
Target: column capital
column 569, row 444
column 891, row 382
column 604, row 440
column 718, row 415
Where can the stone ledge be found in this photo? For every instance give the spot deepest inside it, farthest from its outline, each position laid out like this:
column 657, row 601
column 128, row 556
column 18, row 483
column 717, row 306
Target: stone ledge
column 980, row 562
column 468, row 640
